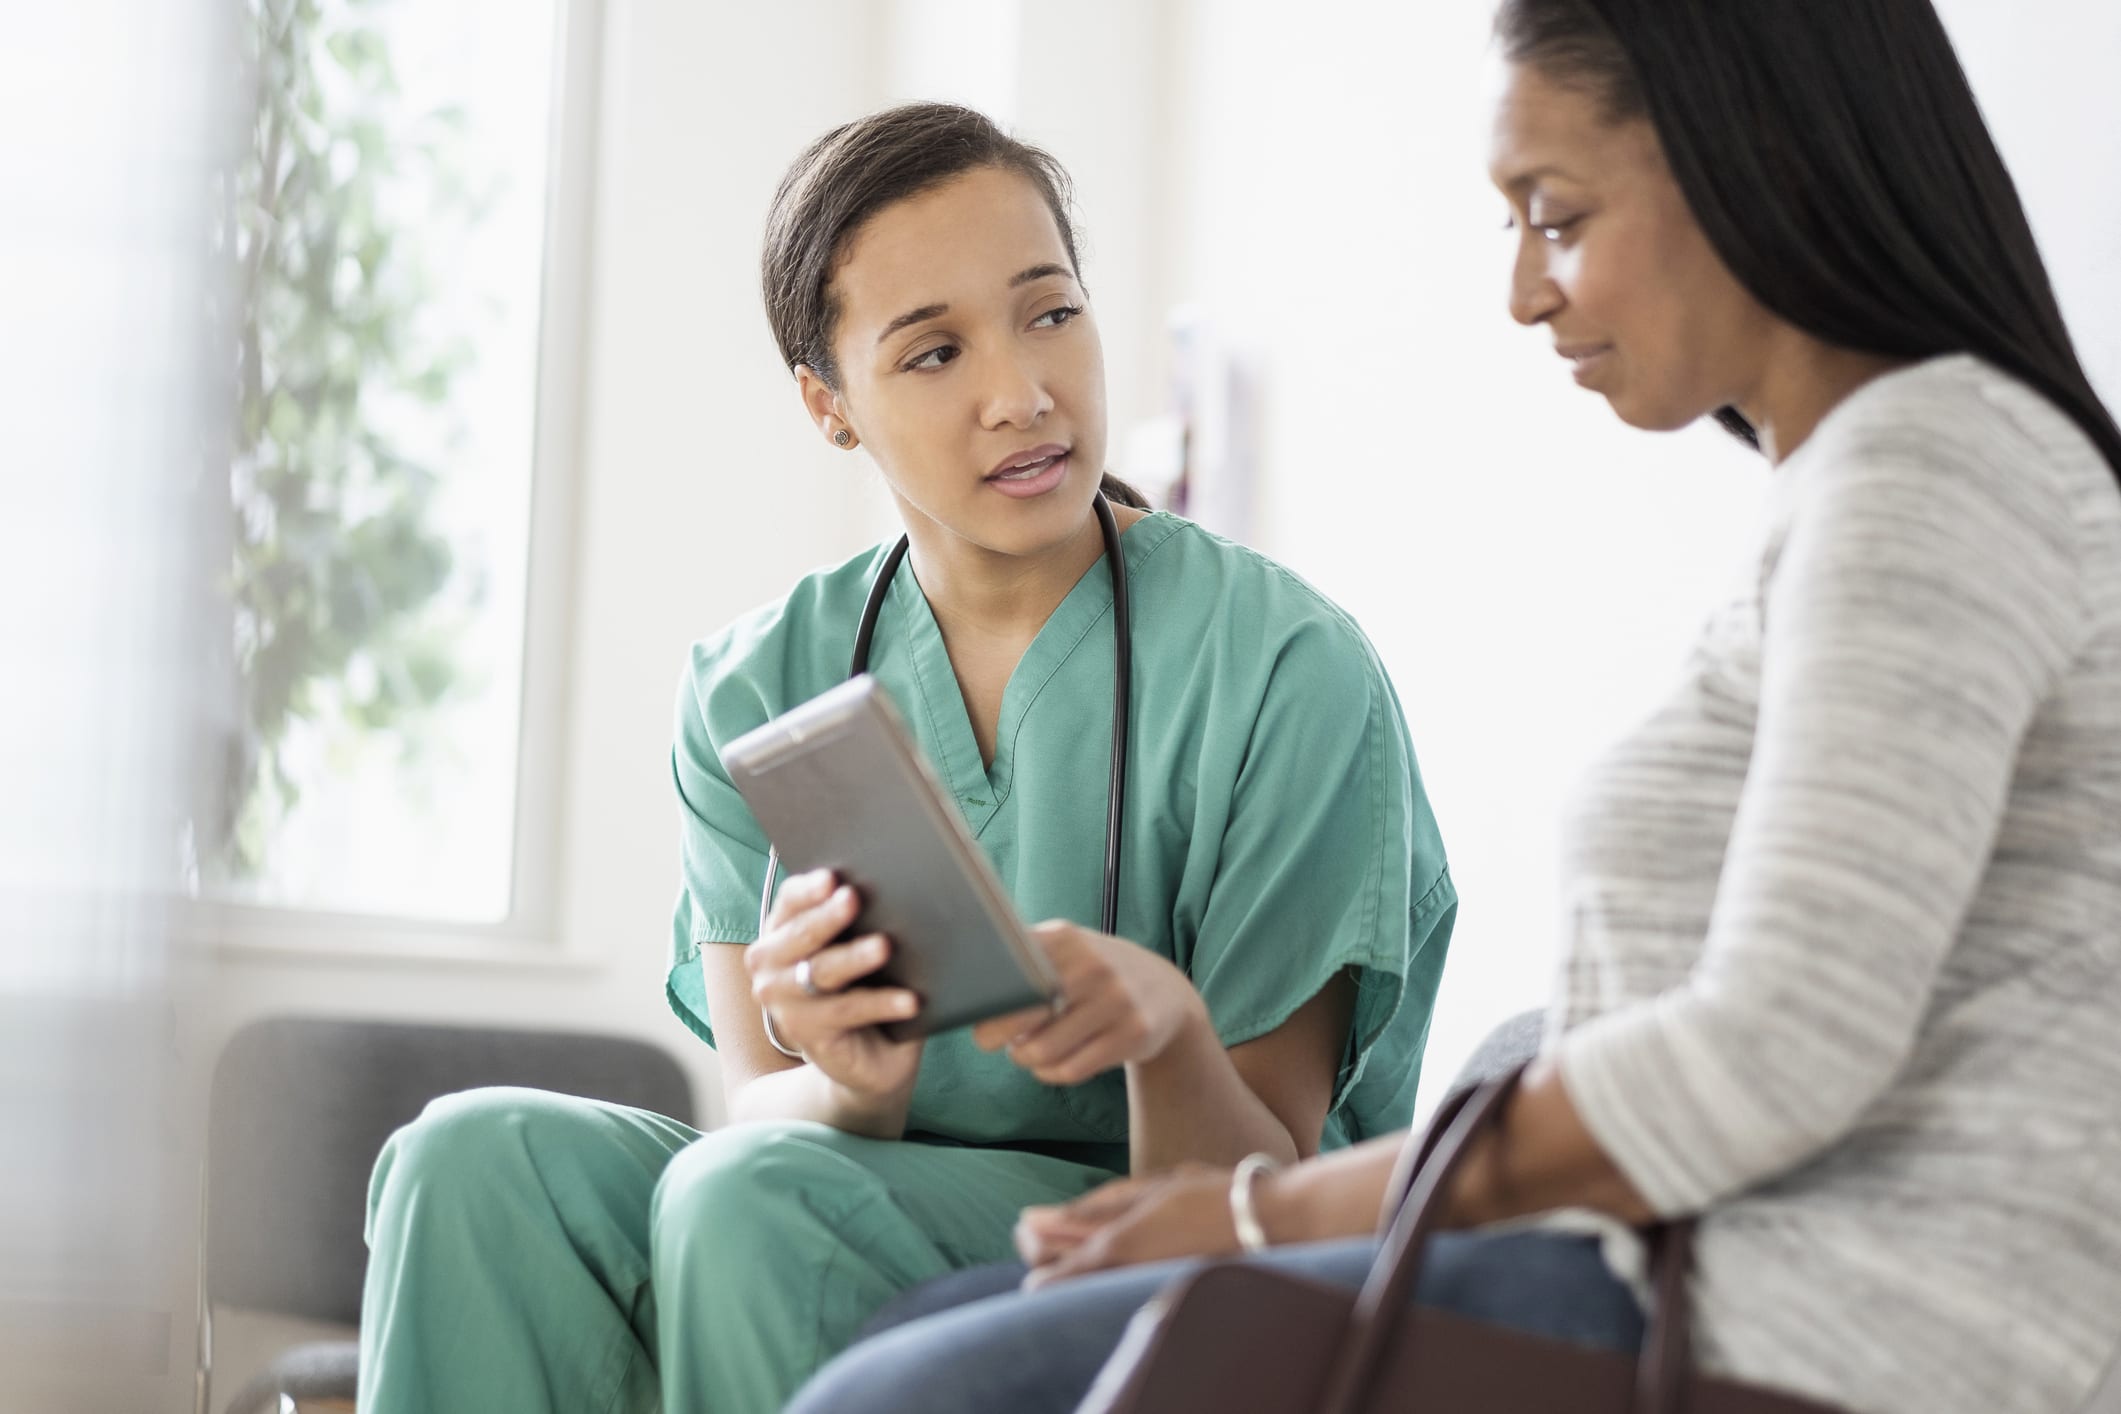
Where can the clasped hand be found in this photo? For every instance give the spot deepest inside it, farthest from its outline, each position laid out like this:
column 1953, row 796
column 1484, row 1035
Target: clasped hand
column 1181, row 1212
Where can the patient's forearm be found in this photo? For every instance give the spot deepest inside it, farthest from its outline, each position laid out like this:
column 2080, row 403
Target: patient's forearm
column 1333, row 1195
column 1540, row 1158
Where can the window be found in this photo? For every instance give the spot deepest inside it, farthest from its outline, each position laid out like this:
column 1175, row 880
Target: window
column 396, row 273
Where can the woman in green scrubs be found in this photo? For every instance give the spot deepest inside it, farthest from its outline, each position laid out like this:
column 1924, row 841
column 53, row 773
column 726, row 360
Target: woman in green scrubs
column 1284, row 906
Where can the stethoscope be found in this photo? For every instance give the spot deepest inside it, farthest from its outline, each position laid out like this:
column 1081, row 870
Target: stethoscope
column 1122, row 697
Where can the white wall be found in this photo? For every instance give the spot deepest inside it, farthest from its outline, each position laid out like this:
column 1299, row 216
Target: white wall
column 1312, row 177
column 2043, row 71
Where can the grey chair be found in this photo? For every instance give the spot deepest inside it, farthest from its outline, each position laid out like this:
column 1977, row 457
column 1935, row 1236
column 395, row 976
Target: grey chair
column 300, row 1108
column 1509, row 1045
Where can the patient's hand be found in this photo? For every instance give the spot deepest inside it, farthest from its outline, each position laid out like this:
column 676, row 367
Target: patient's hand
column 1183, row 1212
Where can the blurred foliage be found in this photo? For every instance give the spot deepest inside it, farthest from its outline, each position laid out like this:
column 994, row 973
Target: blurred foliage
column 340, row 618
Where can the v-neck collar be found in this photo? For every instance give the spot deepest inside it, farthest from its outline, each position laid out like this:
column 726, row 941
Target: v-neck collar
column 980, row 790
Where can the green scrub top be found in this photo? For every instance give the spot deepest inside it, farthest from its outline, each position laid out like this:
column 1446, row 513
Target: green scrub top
column 1276, row 828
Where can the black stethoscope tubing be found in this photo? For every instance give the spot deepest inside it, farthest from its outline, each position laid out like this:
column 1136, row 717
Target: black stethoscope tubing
column 1122, row 693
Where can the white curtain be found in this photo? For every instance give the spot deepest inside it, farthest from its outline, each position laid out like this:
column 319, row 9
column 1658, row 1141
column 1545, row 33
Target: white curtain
column 115, row 116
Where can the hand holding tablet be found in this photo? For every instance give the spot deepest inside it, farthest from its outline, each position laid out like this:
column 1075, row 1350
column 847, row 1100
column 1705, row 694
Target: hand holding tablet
column 838, row 784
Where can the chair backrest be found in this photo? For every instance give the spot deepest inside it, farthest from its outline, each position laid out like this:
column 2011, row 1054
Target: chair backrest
column 1512, row 1043
column 301, row 1107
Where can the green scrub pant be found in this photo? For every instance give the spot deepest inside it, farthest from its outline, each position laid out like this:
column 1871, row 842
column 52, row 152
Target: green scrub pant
column 531, row 1252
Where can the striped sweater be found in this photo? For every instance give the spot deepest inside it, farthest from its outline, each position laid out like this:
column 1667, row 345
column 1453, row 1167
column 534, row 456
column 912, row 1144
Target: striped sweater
column 1843, row 954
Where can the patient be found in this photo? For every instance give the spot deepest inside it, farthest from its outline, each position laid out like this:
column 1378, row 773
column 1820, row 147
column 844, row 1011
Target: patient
column 1844, row 937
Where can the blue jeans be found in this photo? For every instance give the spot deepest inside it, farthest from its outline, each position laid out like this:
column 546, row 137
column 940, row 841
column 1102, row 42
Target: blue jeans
column 970, row 1343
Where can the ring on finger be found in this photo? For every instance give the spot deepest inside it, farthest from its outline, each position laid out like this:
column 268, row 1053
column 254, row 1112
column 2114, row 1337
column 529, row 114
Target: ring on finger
column 806, row 978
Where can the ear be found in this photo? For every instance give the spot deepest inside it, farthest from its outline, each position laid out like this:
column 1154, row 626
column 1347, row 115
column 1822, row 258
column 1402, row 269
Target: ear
column 827, row 412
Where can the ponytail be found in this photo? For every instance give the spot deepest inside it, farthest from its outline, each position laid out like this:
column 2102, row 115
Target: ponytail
column 1119, row 493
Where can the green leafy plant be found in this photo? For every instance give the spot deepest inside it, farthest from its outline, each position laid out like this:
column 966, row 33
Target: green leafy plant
column 337, row 581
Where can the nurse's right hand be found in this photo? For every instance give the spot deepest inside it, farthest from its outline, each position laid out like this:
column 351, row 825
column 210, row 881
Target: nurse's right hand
column 832, row 1021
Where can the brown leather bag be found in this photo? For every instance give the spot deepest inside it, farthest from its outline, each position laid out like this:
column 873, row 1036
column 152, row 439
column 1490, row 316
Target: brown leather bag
column 1234, row 1337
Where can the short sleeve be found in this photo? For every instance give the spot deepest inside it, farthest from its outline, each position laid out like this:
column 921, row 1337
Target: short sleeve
column 1330, row 861
column 722, row 850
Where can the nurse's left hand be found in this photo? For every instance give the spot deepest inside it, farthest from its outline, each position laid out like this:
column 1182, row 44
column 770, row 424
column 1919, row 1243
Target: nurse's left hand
column 1120, row 1005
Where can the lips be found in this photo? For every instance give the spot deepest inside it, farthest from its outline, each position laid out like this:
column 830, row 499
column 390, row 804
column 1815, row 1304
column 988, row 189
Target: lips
column 1584, row 359
column 1030, row 474
column 1027, row 464
column 1029, row 471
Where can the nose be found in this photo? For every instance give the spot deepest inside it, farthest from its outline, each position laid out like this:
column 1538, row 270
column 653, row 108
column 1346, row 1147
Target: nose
column 1534, row 297
column 1012, row 392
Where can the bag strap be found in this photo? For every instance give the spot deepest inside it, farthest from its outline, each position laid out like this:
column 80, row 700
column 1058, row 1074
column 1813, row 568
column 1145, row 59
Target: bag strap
column 1660, row 1375
column 1431, row 1162
column 1414, row 1156
column 1421, row 1180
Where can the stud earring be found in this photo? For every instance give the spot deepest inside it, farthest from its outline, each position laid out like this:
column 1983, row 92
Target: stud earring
column 842, row 438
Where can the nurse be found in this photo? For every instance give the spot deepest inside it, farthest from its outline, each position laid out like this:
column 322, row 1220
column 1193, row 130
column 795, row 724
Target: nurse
column 1283, row 906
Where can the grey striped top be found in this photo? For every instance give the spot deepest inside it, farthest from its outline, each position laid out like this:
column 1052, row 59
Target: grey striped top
column 1843, row 955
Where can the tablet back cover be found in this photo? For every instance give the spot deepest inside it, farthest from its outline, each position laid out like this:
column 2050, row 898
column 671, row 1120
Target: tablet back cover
column 838, row 783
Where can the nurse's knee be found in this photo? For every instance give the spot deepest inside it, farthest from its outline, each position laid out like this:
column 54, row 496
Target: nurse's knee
column 464, row 1147
column 751, row 1183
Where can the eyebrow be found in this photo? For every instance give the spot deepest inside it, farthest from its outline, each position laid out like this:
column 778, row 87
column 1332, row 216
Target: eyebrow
column 1527, row 178
column 913, row 316
column 1040, row 272
column 935, row 311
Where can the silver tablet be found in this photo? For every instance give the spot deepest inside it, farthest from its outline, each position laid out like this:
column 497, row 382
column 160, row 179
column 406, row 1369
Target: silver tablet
column 838, row 783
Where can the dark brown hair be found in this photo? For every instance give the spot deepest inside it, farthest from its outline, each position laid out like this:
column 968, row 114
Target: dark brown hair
column 850, row 174
column 1835, row 158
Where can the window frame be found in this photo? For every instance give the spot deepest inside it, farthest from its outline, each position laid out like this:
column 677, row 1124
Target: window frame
column 528, row 935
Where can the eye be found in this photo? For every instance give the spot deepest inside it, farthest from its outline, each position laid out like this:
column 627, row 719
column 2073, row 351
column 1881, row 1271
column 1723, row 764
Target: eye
column 1060, row 314
column 1557, row 231
column 931, row 360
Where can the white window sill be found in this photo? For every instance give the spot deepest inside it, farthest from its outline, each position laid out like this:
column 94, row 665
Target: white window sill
column 264, row 935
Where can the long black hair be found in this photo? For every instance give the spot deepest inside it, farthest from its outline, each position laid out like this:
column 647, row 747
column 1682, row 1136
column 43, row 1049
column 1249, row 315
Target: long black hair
column 1834, row 155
